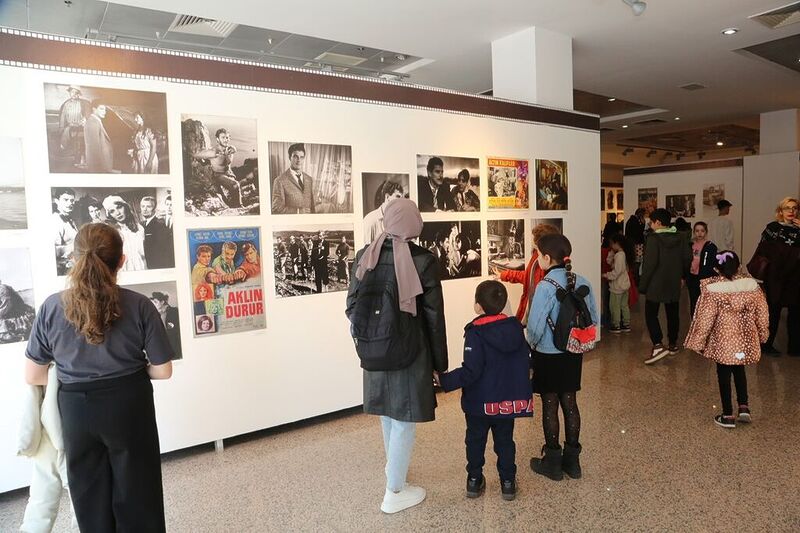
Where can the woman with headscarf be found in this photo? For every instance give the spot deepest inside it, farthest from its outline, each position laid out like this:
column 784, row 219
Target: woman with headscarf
column 121, row 217
column 403, row 397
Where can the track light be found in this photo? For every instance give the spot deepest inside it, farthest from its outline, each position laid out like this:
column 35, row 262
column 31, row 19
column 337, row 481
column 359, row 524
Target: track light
column 680, row 156
column 637, row 6
column 701, row 155
column 651, row 152
column 627, row 151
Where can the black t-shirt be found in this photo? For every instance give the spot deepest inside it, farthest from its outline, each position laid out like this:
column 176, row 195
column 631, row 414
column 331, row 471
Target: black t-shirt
column 137, row 336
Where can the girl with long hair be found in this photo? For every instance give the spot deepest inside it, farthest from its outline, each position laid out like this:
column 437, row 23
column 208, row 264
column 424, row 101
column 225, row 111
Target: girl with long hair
column 619, row 285
column 703, row 263
column 107, row 343
column 121, row 217
column 144, row 151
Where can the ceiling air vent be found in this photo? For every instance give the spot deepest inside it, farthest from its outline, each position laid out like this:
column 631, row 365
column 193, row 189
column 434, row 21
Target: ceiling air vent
column 778, row 18
column 340, row 59
column 693, row 87
column 651, row 121
column 201, row 26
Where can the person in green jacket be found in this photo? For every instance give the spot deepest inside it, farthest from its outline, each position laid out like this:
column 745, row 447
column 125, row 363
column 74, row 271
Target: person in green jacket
column 667, row 256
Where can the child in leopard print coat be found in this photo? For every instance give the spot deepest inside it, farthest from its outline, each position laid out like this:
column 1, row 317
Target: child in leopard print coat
column 730, row 323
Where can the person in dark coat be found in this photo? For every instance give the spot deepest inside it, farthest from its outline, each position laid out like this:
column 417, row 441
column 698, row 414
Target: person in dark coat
column 319, row 261
column 667, row 257
column 404, row 397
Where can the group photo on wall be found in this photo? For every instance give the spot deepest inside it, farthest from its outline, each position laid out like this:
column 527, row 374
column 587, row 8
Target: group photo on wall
column 13, row 211
column 456, row 245
column 310, row 178
column 164, row 295
column 312, row 259
column 16, row 295
column 377, row 190
column 448, row 183
column 97, row 130
column 142, row 215
column 508, row 183
column 681, row 205
column 220, row 166
column 226, row 280
column 506, row 245
column 552, row 185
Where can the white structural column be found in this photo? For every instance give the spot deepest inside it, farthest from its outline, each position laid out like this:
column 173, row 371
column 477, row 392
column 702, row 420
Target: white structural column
column 534, row 66
column 770, row 176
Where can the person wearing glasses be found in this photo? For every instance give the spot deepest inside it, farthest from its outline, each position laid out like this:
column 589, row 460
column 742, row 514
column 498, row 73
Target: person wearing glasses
column 777, row 263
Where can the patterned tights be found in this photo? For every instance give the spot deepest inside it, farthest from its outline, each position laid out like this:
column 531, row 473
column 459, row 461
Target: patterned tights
column 572, row 418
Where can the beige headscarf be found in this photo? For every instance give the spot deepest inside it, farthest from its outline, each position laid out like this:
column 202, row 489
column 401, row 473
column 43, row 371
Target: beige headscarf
column 402, row 223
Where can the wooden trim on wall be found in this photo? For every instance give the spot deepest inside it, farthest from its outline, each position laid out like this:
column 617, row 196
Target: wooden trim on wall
column 700, row 165
column 39, row 50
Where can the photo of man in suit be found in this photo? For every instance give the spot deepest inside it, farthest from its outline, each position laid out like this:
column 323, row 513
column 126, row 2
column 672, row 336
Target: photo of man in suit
column 169, row 316
column 293, row 190
column 99, row 151
column 157, row 237
column 433, row 194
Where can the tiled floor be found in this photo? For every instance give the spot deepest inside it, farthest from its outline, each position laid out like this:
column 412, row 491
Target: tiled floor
column 653, row 461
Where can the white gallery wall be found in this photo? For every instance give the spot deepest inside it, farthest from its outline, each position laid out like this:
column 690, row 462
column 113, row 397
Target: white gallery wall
column 303, row 364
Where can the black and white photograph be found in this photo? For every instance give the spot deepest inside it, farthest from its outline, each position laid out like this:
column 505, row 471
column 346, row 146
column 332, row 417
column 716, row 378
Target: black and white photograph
column 310, row 178
column 98, row 130
column 142, row 215
column 13, row 213
column 164, row 295
column 609, row 199
column 648, row 199
column 681, row 205
column 378, row 189
column 712, row 194
column 555, row 222
column 456, row 245
column 506, row 245
column 313, row 259
column 16, row 295
column 448, row 183
column 620, row 199
column 552, row 185
column 220, row 166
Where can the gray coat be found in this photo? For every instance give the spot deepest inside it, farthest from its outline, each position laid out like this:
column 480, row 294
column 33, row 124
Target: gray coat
column 407, row 394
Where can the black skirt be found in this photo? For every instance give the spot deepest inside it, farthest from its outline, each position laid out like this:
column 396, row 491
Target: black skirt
column 556, row 372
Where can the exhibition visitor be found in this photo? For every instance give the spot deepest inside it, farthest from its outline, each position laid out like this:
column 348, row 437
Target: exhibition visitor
column 704, row 261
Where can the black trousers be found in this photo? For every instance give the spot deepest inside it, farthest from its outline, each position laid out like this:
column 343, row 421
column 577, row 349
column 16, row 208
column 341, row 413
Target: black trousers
column 724, row 373
column 693, row 286
column 792, row 326
column 113, row 459
column 654, row 326
column 503, row 436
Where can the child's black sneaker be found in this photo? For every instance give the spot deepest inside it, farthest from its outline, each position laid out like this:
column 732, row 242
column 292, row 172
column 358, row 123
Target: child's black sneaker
column 475, row 486
column 673, row 349
column 658, row 353
column 508, row 489
column 615, row 329
column 625, row 328
column 725, row 421
column 744, row 415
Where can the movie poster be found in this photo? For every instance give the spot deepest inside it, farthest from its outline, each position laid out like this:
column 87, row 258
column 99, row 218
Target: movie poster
column 310, row 178
column 713, row 193
column 555, row 222
column 313, row 259
column 378, row 189
column 96, row 130
column 447, row 183
column 220, row 166
column 16, row 295
column 506, row 245
column 508, row 183
column 552, row 185
column 164, row 296
column 648, row 199
column 142, row 215
column 456, row 245
column 13, row 213
column 227, row 285
column 681, row 205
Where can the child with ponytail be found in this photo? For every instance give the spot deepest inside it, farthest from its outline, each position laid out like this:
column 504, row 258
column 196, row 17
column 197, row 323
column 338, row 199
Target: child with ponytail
column 556, row 373
column 730, row 323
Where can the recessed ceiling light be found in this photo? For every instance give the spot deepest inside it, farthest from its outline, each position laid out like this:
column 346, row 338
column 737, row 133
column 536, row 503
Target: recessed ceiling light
column 720, row 143
column 677, row 118
column 614, row 99
column 624, row 126
column 730, row 31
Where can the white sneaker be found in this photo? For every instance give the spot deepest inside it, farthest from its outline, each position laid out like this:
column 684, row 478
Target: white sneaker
column 659, row 352
column 410, row 496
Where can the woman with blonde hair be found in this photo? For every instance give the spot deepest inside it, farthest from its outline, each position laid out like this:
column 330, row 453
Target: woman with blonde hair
column 121, row 217
column 107, row 343
column 776, row 262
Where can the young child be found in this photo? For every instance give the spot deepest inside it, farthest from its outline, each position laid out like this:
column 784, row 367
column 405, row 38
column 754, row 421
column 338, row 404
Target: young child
column 620, row 284
column 496, row 387
column 730, row 323
column 556, row 374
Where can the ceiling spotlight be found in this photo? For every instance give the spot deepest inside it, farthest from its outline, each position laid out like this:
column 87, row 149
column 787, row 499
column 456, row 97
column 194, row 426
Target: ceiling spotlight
column 624, row 126
column 269, row 40
column 680, row 156
column 637, row 6
column 400, row 57
column 627, row 151
column 383, row 59
column 730, row 31
column 701, row 155
column 720, row 143
column 677, row 118
column 612, row 99
column 651, row 152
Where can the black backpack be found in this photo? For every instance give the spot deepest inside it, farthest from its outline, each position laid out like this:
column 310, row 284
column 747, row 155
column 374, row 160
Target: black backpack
column 386, row 338
column 573, row 331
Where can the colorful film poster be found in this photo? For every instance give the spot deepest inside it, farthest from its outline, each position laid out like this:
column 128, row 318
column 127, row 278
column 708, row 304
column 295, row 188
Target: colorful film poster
column 508, row 183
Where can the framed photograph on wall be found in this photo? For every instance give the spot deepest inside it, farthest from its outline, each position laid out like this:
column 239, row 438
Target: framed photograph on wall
column 552, row 185
column 508, row 183
column 310, row 178
column 506, row 245
column 620, row 199
column 681, row 205
column 142, row 215
column 98, row 130
column 610, row 199
column 16, row 295
column 226, row 279
column 312, row 259
column 13, row 210
column 377, row 190
column 712, row 194
column 556, row 222
column 448, row 183
column 602, row 199
column 220, row 166
column 164, row 295
column 648, row 199
column 456, row 245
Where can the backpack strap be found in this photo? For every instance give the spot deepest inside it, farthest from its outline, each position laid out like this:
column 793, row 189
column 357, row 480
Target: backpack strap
column 557, row 286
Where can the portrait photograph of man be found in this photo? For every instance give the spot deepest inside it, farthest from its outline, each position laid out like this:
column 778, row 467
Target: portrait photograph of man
column 378, row 190
column 446, row 183
column 164, row 296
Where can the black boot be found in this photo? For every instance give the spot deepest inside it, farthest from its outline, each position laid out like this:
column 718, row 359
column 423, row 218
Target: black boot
column 550, row 464
column 571, row 465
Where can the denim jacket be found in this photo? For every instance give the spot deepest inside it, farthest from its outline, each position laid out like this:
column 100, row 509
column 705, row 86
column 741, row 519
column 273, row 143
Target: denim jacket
column 544, row 304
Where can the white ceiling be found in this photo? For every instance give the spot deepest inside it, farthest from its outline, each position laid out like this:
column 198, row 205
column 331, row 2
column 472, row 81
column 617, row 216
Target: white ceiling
column 641, row 59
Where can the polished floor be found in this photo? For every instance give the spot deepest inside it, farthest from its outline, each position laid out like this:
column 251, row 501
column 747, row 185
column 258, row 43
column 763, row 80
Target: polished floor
column 653, row 461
